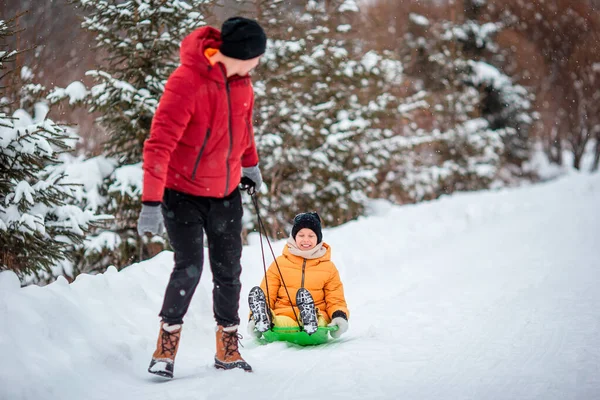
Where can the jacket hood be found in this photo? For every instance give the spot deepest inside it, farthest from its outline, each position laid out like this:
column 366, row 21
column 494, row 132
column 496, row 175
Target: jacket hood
column 195, row 44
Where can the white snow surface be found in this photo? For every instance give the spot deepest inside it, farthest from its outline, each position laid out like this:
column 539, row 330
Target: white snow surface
column 489, row 295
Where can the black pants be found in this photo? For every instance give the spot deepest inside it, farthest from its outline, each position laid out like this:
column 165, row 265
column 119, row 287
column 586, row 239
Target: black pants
column 186, row 217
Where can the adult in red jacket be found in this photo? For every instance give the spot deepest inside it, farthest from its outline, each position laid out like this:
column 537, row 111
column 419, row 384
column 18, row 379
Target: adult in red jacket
column 201, row 145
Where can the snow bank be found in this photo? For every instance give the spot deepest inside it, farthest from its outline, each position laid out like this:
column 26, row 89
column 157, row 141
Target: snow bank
column 480, row 295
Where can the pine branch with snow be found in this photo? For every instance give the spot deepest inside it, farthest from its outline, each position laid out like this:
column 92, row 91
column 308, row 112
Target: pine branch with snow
column 478, row 117
column 141, row 39
column 321, row 105
column 38, row 225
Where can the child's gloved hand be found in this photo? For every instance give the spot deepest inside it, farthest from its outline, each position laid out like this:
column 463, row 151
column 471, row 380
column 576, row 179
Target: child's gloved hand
column 252, row 329
column 341, row 321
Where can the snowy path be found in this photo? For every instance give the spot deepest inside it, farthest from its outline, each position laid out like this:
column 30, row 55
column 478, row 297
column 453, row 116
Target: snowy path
column 475, row 296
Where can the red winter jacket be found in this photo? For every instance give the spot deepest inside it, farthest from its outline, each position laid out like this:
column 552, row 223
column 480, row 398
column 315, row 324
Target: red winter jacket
column 201, row 134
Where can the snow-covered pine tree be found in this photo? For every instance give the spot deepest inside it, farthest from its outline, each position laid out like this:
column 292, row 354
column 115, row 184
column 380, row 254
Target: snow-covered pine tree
column 505, row 104
column 141, row 41
column 38, row 226
column 479, row 119
column 321, row 109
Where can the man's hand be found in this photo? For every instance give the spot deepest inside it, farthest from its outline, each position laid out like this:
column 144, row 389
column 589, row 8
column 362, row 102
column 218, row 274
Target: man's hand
column 251, row 179
column 150, row 220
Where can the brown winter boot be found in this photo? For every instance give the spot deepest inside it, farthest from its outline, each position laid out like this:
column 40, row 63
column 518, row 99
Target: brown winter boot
column 163, row 359
column 228, row 355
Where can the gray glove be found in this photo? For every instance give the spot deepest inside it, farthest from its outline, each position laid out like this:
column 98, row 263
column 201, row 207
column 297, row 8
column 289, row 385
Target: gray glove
column 150, row 220
column 342, row 325
column 253, row 173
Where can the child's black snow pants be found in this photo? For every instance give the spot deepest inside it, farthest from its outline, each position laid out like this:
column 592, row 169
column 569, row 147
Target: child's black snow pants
column 186, row 218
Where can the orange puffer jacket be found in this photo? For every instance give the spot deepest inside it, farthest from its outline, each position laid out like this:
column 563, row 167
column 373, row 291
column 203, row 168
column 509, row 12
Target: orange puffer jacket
column 319, row 276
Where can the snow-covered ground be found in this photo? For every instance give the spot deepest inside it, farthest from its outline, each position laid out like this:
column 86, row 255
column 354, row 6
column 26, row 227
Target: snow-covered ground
column 489, row 295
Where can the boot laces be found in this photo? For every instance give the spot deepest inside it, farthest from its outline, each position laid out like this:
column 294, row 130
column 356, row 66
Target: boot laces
column 231, row 341
column 168, row 342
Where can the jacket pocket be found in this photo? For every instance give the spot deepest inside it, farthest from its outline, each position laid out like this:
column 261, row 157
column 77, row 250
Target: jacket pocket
column 197, row 162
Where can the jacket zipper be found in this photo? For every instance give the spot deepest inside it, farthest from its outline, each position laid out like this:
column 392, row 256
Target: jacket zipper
column 230, row 133
column 200, row 154
column 303, row 266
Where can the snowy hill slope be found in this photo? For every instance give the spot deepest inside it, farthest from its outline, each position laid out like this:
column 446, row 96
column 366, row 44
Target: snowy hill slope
column 488, row 295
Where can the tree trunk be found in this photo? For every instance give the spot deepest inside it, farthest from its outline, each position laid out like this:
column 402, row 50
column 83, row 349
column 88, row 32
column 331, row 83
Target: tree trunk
column 596, row 155
column 556, row 151
column 578, row 152
column 576, row 161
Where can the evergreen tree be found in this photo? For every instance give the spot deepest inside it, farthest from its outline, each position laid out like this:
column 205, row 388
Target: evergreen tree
column 141, row 40
column 322, row 108
column 38, row 226
column 479, row 119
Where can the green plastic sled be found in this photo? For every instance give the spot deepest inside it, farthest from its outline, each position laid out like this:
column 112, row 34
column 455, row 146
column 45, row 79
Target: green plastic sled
column 296, row 336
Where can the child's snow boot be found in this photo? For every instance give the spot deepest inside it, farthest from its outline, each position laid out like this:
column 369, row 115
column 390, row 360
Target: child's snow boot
column 228, row 355
column 308, row 312
column 258, row 305
column 163, row 359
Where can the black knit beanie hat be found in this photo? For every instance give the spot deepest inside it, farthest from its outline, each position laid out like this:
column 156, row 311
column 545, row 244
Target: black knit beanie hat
column 242, row 38
column 308, row 220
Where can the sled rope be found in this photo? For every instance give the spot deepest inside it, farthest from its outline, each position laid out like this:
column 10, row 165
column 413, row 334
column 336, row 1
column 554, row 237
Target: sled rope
column 261, row 229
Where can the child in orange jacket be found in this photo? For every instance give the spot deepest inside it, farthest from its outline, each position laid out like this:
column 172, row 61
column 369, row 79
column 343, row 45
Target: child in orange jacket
column 302, row 283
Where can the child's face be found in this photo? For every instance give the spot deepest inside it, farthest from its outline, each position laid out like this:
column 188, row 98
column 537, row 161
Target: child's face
column 306, row 239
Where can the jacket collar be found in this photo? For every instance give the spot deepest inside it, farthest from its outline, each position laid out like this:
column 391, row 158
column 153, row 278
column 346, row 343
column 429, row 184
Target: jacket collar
column 324, row 256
